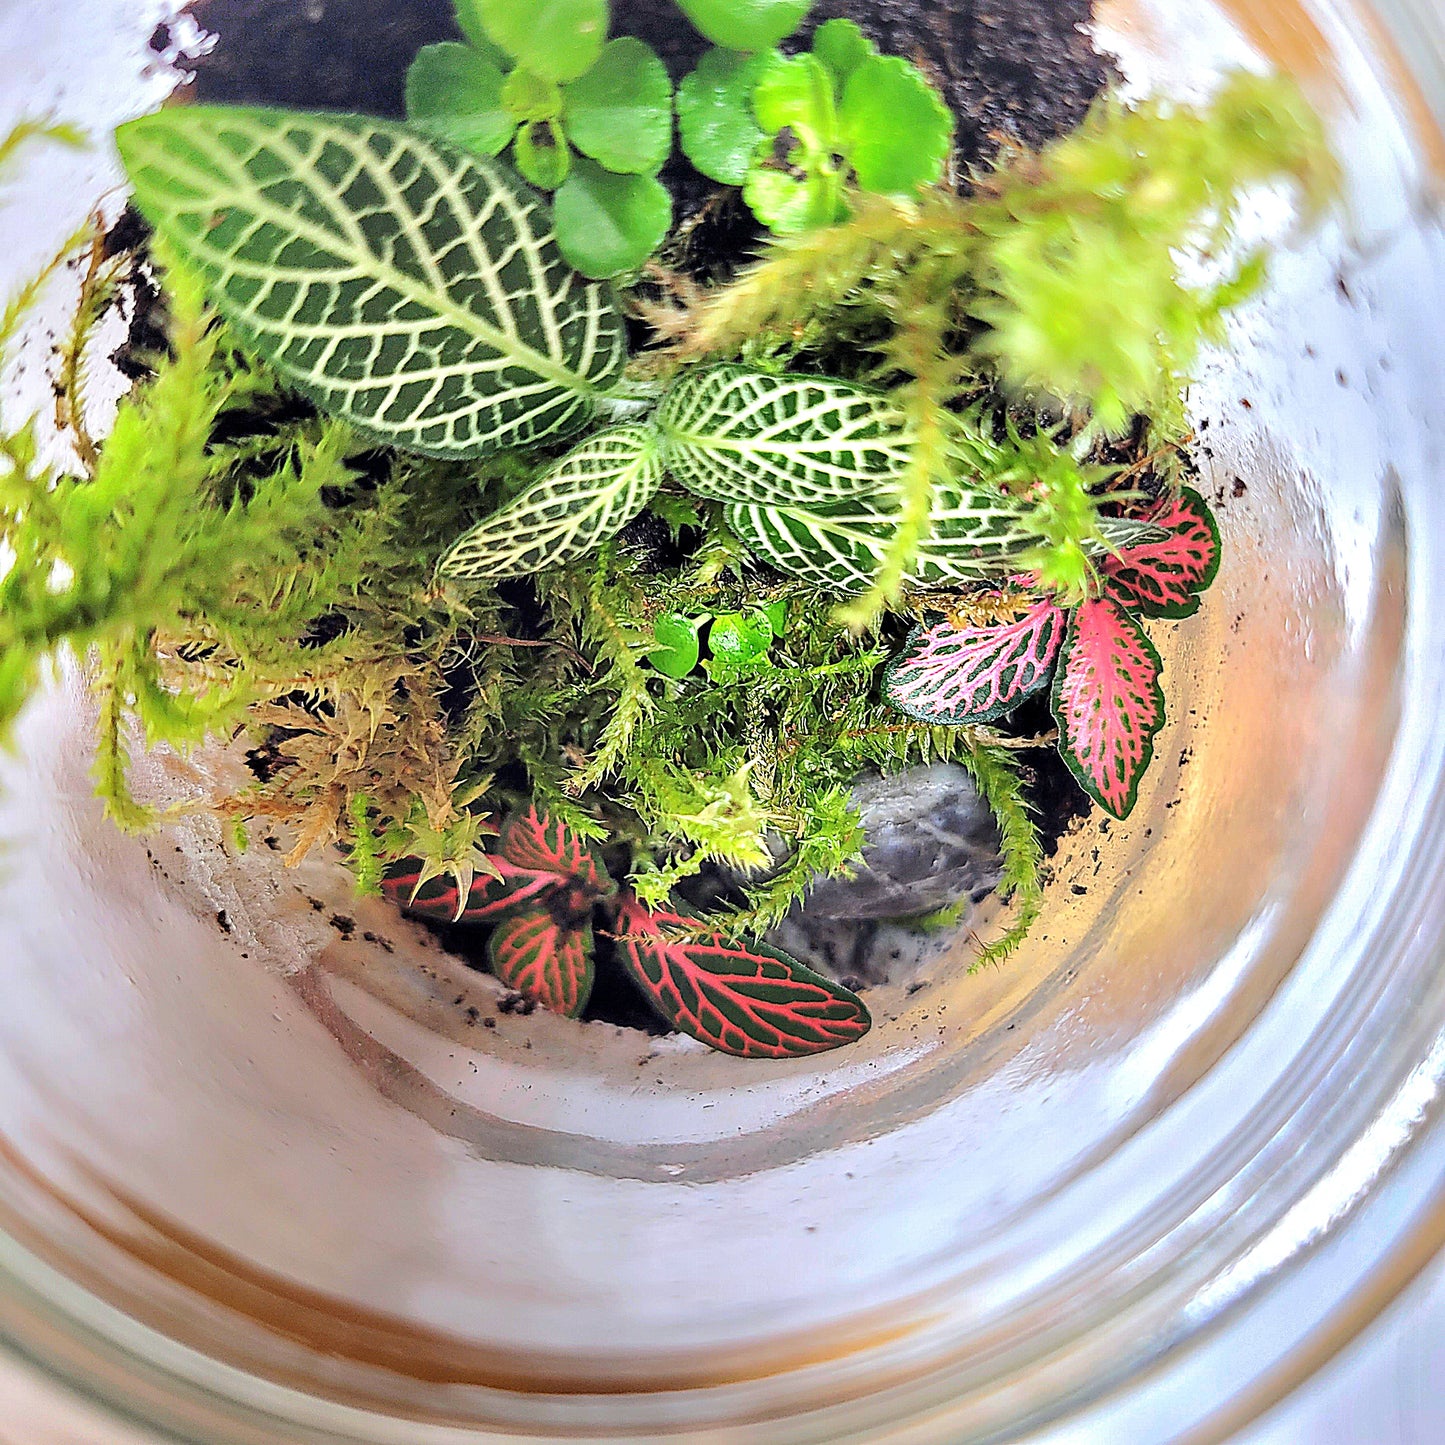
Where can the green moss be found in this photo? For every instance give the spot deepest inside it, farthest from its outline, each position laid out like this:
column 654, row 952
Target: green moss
column 235, row 564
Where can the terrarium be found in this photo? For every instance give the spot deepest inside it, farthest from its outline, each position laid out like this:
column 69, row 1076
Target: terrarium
column 720, row 676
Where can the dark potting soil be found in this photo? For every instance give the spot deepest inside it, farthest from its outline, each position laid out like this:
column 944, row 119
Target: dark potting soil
column 1018, row 69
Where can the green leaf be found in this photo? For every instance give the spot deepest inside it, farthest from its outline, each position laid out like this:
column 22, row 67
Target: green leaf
column 454, row 92
column 839, row 549
column 788, row 204
column 542, row 154
column 737, row 640
column 804, row 188
column 470, row 23
column 777, row 614
column 734, row 435
column 842, row 47
column 560, row 39
column 745, row 24
column 896, row 129
column 974, row 537
column 620, row 112
column 796, row 92
column 529, row 96
column 715, row 121
column 679, row 646
column 608, row 223
column 398, row 281
column 575, row 505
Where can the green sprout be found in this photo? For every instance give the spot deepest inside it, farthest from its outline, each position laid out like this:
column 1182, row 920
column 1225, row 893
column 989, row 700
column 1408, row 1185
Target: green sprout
column 586, row 117
column 736, row 641
column 797, row 132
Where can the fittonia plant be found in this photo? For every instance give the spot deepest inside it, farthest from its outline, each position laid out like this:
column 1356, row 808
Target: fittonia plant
column 918, row 464
column 542, row 887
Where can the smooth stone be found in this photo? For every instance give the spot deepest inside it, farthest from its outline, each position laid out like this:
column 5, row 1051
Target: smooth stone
column 932, row 842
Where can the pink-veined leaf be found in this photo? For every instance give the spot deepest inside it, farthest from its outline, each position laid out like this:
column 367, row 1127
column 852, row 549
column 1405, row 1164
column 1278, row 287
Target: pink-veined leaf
column 1108, row 703
column 953, row 674
column 535, row 859
column 752, row 1002
column 1164, row 578
column 546, row 953
column 489, row 896
column 536, row 843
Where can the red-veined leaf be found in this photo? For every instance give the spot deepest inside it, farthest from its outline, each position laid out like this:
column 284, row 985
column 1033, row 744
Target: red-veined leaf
column 546, row 953
column 951, row 674
column 488, row 897
column 535, row 859
column 1164, row 578
column 536, row 843
column 751, row 1001
column 436, row 898
column 1108, row 703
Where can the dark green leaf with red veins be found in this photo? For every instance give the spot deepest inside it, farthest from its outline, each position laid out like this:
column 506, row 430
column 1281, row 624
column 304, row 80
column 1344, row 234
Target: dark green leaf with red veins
column 489, row 896
column 534, row 842
column 546, row 953
column 750, row 1001
column 436, row 898
column 1108, row 703
column 535, row 860
column 1164, row 578
column 951, row 674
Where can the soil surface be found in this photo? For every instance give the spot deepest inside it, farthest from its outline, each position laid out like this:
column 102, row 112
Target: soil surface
column 1020, row 68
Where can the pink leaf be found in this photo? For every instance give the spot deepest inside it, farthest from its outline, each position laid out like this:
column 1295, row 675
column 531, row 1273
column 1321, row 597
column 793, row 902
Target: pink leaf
column 751, row 1001
column 546, row 953
column 1163, row 579
column 1108, row 703
column 952, row 674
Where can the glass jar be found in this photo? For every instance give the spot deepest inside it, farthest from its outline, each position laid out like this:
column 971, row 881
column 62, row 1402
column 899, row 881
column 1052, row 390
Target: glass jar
column 267, row 1174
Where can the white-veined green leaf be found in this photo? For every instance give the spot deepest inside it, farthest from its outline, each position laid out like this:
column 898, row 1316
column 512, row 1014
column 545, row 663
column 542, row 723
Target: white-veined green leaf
column 1118, row 533
column 572, row 508
column 400, row 282
column 735, row 435
column 973, row 537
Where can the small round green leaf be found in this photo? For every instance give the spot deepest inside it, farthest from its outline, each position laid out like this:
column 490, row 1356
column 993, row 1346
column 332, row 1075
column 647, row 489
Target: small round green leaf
column 896, row 129
column 796, row 92
column 469, row 22
column 560, row 39
column 715, row 115
column 787, row 204
column 620, row 112
column 529, row 96
column 454, row 92
column 608, row 223
column 678, row 648
column 842, row 47
column 737, row 640
column 542, row 154
column 777, row 614
column 745, row 24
